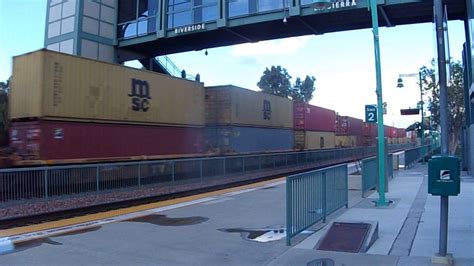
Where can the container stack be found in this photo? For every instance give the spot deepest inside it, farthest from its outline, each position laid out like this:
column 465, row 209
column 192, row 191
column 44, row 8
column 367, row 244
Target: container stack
column 369, row 134
column 348, row 131
column 314, row 127
column 392, row 135
column 68, row 107
column 402, row 135
column 239, row 120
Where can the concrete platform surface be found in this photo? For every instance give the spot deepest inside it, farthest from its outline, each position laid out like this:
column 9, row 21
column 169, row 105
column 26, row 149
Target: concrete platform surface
column 216, row 232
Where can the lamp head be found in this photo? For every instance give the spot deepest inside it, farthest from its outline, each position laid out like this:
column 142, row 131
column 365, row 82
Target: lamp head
column 322, row 4
column 400, row 83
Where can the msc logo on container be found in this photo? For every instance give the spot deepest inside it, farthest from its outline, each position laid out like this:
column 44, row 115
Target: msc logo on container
column 267, row 110
column 140, row 95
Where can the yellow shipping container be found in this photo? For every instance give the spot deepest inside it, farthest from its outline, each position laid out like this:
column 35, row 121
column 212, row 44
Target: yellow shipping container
column 346, row 141
column 231, row 105
column 311, row 140
column 52, row 85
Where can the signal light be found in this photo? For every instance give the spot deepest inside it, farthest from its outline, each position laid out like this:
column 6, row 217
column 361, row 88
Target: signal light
column 409, row 111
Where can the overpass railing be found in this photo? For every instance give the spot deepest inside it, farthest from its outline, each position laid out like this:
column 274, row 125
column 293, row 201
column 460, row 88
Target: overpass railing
column 312, row 196
column 20, row 185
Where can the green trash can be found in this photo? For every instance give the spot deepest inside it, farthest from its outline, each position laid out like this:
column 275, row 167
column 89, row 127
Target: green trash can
column 444, row 176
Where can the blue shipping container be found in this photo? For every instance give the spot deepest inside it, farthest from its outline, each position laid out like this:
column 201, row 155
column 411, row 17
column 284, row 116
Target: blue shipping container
column 235, row 139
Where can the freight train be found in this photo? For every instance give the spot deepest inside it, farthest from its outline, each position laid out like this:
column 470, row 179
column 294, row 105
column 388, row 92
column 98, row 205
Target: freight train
column 64, row 109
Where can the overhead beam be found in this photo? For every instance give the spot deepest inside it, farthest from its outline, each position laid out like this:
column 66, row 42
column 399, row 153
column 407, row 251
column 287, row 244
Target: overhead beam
column 385, row 16
column 239, row 35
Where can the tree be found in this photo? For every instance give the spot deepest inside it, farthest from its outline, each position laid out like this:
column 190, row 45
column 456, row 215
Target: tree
column 455, row 101
column 303, row 91
column 4, row 89
column 276, row 81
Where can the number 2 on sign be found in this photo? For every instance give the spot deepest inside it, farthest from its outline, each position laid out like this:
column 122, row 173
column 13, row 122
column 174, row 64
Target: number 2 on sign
column 371, row 116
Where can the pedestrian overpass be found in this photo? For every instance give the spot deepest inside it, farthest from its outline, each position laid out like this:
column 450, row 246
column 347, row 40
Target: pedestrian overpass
column 181, row 26
column 121, row 30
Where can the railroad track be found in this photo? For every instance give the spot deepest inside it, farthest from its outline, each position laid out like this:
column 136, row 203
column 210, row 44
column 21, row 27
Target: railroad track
column 99, row 208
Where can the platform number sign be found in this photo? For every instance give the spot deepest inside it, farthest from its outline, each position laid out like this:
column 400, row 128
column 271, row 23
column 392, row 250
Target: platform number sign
column 370, row 114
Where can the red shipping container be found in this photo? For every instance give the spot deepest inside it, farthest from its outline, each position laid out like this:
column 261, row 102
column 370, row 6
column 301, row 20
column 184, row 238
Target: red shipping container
column 402, row 133
column 386, row 131
column 55, row 140
column 313, row 118
column 369, row 130
column 393, row 132
column 348, row 126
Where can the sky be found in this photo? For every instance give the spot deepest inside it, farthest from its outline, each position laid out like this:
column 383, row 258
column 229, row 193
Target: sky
column 343, row 62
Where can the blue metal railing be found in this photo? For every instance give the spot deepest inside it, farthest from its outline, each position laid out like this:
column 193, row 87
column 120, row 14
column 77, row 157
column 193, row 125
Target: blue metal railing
column 369, row 177
column 22, row 185
column 312, row 196
column 414, row 155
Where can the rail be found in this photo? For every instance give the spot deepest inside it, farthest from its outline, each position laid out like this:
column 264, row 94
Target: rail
column 167, row 64
column 312, row 196
column 369, row 175
column 23, row 185
column 415, row 154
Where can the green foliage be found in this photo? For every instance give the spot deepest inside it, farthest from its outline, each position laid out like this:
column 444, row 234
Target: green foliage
column 4, row 122
column 303, row 91
column 276, row 81
column 455, row 100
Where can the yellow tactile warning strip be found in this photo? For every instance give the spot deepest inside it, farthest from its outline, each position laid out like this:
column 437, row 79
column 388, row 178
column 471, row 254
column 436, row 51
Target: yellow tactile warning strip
column 129, row 210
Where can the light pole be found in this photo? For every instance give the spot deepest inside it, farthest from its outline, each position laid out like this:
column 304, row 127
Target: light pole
column 400, row 85
column 322, row 4
column 380, row 128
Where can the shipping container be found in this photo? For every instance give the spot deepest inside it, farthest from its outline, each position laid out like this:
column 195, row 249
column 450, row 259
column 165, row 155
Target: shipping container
column 58, row 86
column 367, row 141
column 393, row 132
column 230, row 105
column 369, row 129
column 235, row 139
column 313, row 118
column 310, row 140
column 54, row 140
column 348, row 141
column 402, row 133
column 348, row 126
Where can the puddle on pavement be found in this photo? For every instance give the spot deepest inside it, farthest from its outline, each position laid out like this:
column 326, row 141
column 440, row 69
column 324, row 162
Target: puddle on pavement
column 81, row 231
column 22, row 246
column 262, row 235
column 265, row 188
column 321, row 262
column 163, row 220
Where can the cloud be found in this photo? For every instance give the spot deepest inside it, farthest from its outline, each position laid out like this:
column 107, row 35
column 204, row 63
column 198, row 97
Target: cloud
column 285, row 47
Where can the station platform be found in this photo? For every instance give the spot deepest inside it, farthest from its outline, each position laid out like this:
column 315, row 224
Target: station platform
column 246, row 226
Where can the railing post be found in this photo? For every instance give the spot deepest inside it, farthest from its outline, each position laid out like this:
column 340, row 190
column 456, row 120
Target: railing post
column 46, row 192
column 346, row 178
column 274, row 163
column 323, row 175
column 362, row 179
column 139, row 173
column 200, row 169
column 172, row 173
column 289, row 212
column 243, row 165
column 97, row 178
column 225, row 170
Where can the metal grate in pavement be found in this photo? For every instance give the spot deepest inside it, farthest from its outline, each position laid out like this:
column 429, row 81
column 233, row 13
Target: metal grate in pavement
column 345, row 237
